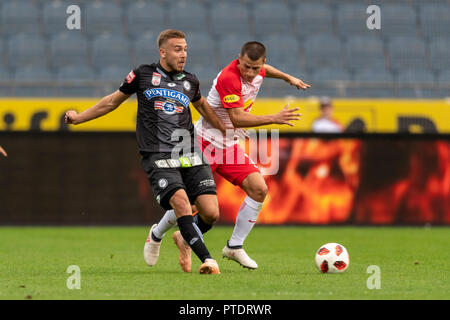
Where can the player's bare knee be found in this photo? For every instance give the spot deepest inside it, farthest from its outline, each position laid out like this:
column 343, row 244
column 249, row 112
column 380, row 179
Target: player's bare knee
column 258, row 192
column 210, row 213
column 180, row 203
column 212, row 217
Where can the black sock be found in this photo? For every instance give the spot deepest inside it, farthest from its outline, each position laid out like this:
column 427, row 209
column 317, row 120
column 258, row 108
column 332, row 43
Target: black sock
column 155, row 238
column 202, row 225
column 193, row 237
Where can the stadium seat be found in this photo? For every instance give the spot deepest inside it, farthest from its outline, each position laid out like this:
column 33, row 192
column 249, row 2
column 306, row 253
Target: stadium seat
column 103, row 17
column 19, row 17
column 223, row 22
column 76, row 81
column 144, row 16
column 230, row 46
column 398, row 20
column 2, row 53
column 109, row 49
column 313, row 18
column 435, row 19
column 272, row 17
column 416, row 83
column 205, row 74
column 188, row 16
column 54, row 17
column 281, row 49
column 31, row 73
column 440, row 53
column 329, row 82
column 352, row 20
column 113, row 74
column 372, row 82
column 201, row 50
column 111, row 78
column 75, row 73
column 406, row 52
column 25, row 49
column 444, row 83
column 6, row 76
column 31, row 78
column 145, row 49
column 68, row 48
column 364, row 52
column 323, row 51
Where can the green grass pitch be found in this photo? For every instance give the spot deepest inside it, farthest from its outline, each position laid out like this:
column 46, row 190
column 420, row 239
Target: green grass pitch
column 414, row 264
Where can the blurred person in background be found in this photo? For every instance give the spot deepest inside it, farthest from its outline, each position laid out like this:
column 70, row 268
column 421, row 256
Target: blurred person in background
column 326, row 123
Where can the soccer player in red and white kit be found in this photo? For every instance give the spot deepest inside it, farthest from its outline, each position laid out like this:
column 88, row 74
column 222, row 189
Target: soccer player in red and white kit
column 232, row 96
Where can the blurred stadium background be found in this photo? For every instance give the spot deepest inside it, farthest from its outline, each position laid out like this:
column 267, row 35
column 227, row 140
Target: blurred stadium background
column 393, row 80
column 324, row 41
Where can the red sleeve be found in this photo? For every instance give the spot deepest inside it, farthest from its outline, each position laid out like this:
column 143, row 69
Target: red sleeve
column 262, row 72
column 229, row 88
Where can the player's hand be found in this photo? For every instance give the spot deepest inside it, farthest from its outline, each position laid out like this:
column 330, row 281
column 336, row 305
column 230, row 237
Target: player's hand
column 298, row 83
column 3, row 152
column 71, row 117
column 287, row 115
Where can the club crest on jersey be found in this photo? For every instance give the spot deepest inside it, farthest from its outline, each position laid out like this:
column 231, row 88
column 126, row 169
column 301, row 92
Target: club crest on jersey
column 186, row 85
column 156, row 79
column 168, row 94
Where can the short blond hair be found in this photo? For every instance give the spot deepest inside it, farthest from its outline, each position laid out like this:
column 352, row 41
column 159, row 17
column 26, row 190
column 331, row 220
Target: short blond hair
column 165, row 35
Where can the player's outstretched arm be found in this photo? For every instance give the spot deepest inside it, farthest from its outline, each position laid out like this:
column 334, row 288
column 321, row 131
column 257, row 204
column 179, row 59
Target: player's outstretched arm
column 208, row 113
column 104, row 106
column 272, row 72
column 3, row 152
column 242, row 119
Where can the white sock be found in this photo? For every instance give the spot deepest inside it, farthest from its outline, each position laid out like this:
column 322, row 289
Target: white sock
column 167, row 222
column 245, row 220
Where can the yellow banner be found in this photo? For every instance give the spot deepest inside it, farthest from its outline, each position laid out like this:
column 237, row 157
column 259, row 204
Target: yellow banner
column 374, row 115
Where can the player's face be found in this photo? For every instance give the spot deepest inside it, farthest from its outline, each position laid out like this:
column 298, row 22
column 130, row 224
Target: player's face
column 174, row 54
column 248, row 68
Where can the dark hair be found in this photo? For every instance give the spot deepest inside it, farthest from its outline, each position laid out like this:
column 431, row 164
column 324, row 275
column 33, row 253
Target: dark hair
column 169, row 34
column 254, row 50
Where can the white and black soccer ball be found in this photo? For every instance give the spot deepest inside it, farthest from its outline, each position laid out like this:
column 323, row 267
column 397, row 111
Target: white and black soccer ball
column 332, row 258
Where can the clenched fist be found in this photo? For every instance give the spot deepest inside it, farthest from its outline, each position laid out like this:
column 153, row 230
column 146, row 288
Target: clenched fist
column 71, row 117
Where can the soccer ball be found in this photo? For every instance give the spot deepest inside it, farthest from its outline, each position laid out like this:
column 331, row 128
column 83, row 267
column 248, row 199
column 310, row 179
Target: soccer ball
column 332, row 258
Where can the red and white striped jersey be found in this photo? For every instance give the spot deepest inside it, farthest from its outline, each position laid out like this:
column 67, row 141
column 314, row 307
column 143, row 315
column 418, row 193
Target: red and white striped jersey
column 229, row 90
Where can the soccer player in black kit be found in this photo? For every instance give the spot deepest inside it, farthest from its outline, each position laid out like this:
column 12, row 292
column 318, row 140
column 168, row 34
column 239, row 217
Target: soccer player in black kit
column 164, row 91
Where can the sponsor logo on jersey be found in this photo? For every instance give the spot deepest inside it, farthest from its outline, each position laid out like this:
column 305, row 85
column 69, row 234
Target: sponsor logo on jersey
column 231, row 98
column 180, row 76
column 168, row 107
column 130, row 77
column 168, row 94
column 162, row 164
column 171, row 84
column 156, row 79
column 207, row 183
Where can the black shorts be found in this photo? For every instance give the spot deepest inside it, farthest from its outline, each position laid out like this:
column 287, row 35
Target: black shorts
column 166, row 176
